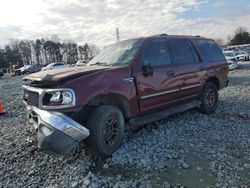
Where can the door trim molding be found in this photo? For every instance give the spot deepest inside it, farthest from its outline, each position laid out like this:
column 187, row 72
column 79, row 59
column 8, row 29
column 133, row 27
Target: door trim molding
column 169, row 91
column 190, row 87
column 160, row 93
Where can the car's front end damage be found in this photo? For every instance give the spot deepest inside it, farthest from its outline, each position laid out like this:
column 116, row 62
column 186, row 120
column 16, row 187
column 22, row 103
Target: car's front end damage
column 57, row 132
column 51, row 104
column 60, row 102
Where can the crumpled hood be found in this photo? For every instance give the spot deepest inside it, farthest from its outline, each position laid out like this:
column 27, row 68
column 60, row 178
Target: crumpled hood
column 63, row 73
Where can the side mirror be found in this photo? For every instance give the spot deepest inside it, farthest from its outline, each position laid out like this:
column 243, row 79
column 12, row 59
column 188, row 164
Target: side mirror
column 147, row 70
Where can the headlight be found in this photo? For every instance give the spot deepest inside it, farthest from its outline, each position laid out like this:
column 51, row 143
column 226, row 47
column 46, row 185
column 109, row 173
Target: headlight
column 58, row 98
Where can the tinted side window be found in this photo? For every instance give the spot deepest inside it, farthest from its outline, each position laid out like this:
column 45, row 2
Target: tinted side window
column 194, row 52
column 210, row 50
column 182, row 51
column 157, row 52
column 58, row 64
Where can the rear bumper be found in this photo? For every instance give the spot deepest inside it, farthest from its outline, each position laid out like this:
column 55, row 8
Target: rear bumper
column 57, row 133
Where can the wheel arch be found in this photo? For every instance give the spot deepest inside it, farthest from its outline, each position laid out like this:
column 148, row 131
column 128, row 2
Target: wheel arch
column 214, row 80
column 113, row 99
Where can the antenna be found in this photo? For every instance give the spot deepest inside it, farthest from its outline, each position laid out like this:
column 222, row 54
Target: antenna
column 117, row 34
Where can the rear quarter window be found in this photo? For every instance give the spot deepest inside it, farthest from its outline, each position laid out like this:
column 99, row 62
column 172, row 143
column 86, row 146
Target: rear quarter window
column 209, row 50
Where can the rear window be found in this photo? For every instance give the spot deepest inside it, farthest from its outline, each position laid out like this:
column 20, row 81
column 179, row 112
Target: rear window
column 228, row 54
column 210, row 50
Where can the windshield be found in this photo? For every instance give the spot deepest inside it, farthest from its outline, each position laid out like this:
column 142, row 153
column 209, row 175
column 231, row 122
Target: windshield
column 117, row 54
column 228, row 54
column 50, row 65
column 54, row 65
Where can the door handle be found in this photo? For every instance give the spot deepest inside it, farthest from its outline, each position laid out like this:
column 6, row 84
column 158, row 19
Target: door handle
column 170, row 73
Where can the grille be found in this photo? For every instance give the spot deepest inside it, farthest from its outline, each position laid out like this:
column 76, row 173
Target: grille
column 31, row 98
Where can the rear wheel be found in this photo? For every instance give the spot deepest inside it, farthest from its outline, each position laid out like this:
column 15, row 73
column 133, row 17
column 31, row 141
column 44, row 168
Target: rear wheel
column 209, row 98
column 106, row 125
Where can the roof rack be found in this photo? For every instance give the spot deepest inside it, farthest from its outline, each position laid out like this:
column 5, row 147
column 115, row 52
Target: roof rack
column 163, row 34
column 197, row 36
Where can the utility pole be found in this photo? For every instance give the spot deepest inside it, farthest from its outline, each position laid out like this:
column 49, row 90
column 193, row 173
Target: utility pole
column 117, row 34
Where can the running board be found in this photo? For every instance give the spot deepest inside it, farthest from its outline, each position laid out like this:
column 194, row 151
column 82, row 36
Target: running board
column 142, row 120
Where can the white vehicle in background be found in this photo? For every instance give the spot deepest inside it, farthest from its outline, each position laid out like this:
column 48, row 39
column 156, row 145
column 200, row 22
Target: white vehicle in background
column 231, row 59
column 52, row 66
column 81, row 63
column 22, row 70
column 242, row 55
column 24, row 67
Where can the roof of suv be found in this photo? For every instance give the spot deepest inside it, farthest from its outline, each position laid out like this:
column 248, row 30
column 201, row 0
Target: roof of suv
column 171, row 36
column 177, row 36
column 166, row 35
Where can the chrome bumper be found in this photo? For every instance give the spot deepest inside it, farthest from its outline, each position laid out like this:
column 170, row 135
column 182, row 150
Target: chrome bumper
column 57, row 133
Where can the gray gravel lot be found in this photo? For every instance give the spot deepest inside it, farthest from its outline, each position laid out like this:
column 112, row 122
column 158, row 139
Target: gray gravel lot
column 186, row 150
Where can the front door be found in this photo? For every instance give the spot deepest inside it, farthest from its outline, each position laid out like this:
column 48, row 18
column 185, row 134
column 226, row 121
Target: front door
column 159, row 89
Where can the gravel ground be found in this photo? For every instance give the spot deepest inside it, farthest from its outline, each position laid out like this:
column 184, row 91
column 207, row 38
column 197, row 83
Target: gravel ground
column 186, row 150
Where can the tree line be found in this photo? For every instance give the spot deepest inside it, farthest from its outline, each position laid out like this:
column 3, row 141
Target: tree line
column 240, row 36
column 44, row 51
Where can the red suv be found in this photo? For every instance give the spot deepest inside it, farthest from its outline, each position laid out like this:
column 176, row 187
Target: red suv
column 130, row 83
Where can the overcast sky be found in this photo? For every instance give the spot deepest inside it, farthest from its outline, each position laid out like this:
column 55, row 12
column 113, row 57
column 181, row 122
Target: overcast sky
column 95, row 20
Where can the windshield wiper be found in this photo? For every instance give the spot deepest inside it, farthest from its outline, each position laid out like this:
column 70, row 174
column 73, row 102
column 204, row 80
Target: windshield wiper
column 100, row 63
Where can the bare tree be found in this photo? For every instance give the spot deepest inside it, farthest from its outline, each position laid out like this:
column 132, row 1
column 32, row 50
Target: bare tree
column 38, row 50
column 93, row 50
column 44, row 51
column 220, row 42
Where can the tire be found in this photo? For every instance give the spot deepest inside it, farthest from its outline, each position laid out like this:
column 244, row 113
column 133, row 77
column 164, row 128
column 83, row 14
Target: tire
column 103, row 122
column 209, row 98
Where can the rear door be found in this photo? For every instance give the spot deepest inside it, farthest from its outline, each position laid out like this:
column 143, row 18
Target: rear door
column 189, row 67
column 213, row 59
column 158, row 90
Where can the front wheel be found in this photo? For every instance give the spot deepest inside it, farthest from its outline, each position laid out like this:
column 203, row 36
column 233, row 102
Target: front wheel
column 209, row 98
column 106, row 125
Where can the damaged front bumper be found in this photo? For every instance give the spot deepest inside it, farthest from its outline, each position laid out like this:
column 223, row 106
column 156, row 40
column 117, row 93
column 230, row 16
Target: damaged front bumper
column 57, row 133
